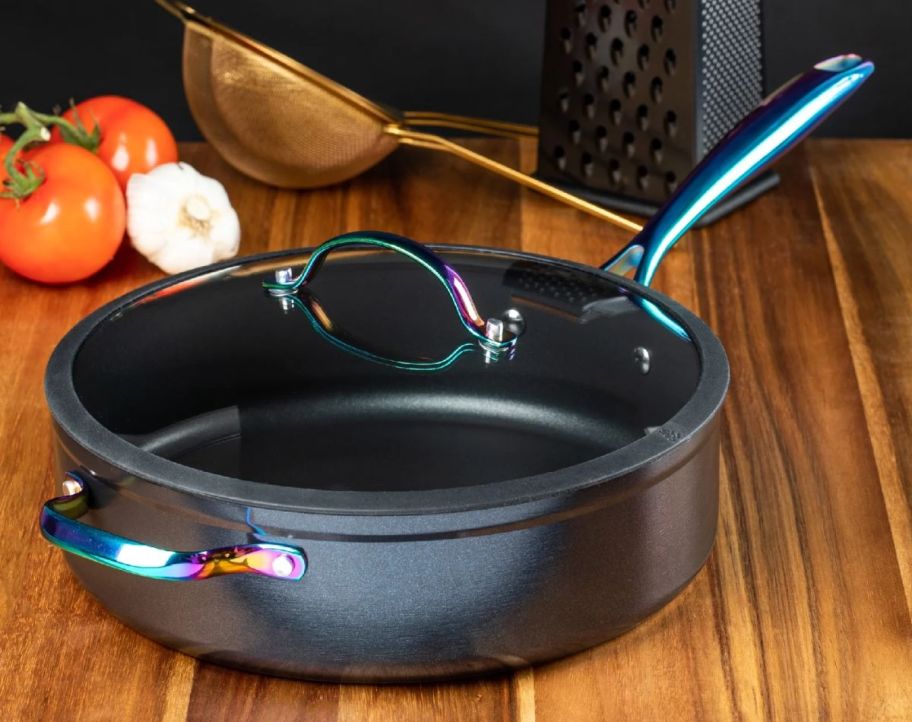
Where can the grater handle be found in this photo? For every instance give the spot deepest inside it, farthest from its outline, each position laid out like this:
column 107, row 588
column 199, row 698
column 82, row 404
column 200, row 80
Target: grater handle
column 778, row 123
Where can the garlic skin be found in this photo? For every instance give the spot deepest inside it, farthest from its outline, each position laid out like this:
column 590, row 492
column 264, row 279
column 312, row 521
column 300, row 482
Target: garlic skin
column 179, row 219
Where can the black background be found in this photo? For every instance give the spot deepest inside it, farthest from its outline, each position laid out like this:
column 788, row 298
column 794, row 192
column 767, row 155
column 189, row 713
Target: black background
column 475, row 57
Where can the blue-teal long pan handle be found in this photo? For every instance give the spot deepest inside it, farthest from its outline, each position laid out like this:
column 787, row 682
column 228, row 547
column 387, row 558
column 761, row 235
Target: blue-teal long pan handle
column 777, row 124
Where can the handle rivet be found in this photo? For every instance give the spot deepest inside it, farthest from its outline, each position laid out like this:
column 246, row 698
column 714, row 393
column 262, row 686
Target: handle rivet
column 282, row 566
column 494, row 330
column 643, row 359
column 283, row 276
column 71, row 487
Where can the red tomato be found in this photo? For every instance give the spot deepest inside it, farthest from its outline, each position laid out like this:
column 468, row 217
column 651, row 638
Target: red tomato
column 133, row 138
column 71, row 225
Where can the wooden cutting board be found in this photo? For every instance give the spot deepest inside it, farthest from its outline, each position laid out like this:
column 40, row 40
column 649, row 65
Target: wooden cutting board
column 803, row 610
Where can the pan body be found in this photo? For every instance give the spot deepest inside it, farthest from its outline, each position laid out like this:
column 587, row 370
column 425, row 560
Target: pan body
column 479, row 517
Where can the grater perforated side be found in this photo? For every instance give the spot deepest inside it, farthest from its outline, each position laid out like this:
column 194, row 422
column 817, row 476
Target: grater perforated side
column 634, row 92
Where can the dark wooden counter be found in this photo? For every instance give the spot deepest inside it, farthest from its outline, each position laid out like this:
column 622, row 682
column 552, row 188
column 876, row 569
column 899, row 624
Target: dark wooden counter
column 803, row 610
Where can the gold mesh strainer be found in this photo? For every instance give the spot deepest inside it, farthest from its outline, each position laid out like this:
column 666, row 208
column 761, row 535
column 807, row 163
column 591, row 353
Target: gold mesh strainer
column 284, row 124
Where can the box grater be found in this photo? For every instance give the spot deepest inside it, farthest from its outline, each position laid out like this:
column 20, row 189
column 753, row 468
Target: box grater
column 635, row 92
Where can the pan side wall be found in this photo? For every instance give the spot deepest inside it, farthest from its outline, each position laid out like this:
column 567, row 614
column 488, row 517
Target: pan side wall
column 387, row 611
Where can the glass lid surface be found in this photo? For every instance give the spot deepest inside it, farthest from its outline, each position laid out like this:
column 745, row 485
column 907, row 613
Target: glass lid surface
column 366, row 380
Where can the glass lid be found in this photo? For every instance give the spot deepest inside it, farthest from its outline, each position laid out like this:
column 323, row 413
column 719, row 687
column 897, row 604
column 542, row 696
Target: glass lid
column 366, row 378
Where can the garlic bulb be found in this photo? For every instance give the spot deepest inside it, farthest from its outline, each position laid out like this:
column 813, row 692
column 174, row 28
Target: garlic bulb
column 180, row 219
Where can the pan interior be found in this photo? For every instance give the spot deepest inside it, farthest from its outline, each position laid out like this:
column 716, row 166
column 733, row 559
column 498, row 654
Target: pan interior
column 217, row 375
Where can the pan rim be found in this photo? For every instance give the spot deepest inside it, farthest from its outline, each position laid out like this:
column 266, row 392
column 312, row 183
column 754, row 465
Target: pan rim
column 643, row 455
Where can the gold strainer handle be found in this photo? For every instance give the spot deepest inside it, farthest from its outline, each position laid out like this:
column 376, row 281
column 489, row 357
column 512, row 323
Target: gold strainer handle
column 435, row 142
column 500, row 128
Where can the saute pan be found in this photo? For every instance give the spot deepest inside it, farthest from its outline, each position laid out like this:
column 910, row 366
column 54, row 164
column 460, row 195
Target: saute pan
column 347, row 472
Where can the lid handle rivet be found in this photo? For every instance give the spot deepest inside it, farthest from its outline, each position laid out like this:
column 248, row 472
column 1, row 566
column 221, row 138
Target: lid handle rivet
column 494, row 330
column 71, row 487
column 643, row 359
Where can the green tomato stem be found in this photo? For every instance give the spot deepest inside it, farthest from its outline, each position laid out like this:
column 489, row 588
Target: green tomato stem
column 21, row 184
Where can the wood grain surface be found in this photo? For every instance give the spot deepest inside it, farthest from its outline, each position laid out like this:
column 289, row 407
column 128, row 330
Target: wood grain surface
column 803, row 610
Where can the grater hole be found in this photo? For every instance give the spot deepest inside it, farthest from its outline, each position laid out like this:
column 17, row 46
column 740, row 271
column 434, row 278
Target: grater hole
column 589, row 105
column 642, row 116
column 563, row 100
column 580, row 12
column 655, row 150
column 615, row 109
column 657, row 28
column 575, row 131
column 560, row 157
column 671, row 61
column 586, row 165
column 614, row 171
column 601, row 138
column 629, row 84
column 671, row 123
column 671, row 181
column 617, row 51
column 578, row 73
column 644, row 4
column 591, row 45
column 671, row 5
column 566, row 40
column 630, row 23
column 642, row 177
column 655, row 90
column 604, row 77
column 604, row 18
column 643, row 57
column 627, row 142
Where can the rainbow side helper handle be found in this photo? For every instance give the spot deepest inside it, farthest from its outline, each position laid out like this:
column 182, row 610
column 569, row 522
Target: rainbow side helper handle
column 59, row 526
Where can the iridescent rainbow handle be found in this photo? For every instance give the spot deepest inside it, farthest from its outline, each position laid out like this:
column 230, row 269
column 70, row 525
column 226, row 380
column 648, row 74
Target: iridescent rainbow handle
column 321, row 323
column 777, row 124
column 59, row 526
column 490, row 333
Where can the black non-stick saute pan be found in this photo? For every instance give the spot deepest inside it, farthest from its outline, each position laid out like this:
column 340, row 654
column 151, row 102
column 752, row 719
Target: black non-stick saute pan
column 331, row 474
